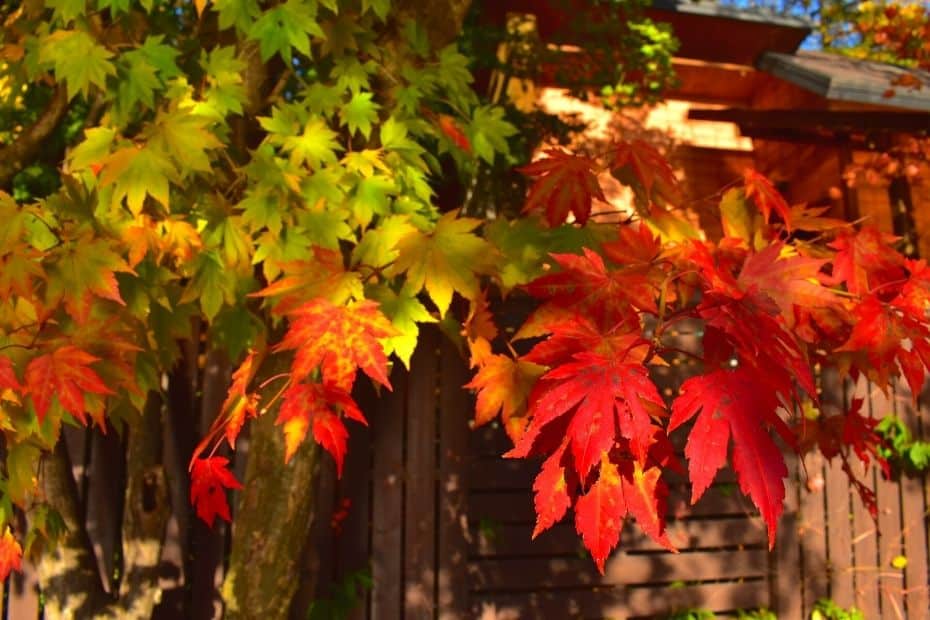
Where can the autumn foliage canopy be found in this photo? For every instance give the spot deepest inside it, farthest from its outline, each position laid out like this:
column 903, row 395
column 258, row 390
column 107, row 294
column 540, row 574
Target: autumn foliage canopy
column 312, row 244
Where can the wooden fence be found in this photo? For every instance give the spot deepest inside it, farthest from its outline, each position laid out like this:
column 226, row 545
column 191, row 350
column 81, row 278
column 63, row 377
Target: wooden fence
column 442, row 524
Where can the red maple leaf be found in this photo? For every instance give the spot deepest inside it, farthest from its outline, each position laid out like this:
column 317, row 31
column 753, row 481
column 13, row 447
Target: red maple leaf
column 65, row 373
column 760, row 341
column 635, row 245
column 599, row 514
column 639, row 165
column 8, row 380
column 340, row 340
column 788, row 280
column 317, row 406
column 735, row 404
column 451, row 129
column 602, row 399
column 585, row 285
column 11, row 555
column 565, row 184
column 767, row 198
column 554, row 488
column 865, row 261
column 209, row 480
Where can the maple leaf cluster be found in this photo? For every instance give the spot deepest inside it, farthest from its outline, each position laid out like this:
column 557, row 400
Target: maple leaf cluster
column 784, row 291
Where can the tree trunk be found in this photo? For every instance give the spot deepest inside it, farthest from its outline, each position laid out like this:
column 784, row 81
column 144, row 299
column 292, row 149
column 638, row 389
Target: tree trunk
column 271, row 526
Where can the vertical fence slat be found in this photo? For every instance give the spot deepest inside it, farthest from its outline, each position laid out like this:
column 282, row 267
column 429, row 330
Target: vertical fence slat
column 420, row 487
column 913, row 517
column 787, row 597
column 888, row 498
column 351, row 512
column 865, row 540
column 388, row 501
column 812, row 532
column 838, row 513
column 455, row 409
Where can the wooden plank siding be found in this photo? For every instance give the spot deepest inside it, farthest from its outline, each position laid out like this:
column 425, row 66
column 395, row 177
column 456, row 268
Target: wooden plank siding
column 444, row 525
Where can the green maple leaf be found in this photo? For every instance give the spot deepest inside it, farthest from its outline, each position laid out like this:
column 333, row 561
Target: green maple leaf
column 359, row 113
column 262, row 208
column 379, row 7
column 489, row 132
column 446, row 260
column 323, row 100
column 185, row 137
column 377, row 247
column 285, row 27
column 212, row 284
column 94, row 148
column 316, row 146
column 135, row 173
column 351, row 74
column 115, row 6
column 226, row 92
column 66, row 10
column 77, row 59
column 372, row 197
column 405, row 311
column 87, row 267
column 162, row 57
column 137, row 82
column 238, row 13
column 325, row 227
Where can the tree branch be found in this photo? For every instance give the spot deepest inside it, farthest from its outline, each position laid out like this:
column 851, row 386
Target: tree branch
column 24, row 148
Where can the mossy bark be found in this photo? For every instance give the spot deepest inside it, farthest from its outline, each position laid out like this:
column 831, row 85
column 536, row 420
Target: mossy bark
column 271, row 525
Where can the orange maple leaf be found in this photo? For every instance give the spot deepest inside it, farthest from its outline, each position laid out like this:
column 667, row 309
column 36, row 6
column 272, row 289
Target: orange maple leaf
column 239, row 404
column 503, row 385
column 11, row 555
column 339, row 340
column 66, row 374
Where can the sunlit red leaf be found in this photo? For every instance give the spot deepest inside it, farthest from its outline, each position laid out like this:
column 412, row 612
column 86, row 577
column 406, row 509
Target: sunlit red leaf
column 565, row 183
column 553, row 487
column 602, row 399
column 210, row 478
column 635, row 245
column 767, row 198
column 585, row 285
column 734, row 404
column 599, row 514
column 645, row 493
column 865, row 260
column 317, row 407
column 64, row 374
